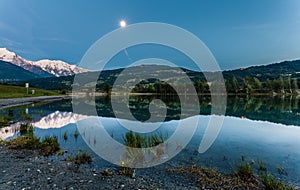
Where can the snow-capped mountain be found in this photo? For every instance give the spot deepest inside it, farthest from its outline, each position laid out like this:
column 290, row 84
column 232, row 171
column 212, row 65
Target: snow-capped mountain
column 44, row 68
column 58, row 119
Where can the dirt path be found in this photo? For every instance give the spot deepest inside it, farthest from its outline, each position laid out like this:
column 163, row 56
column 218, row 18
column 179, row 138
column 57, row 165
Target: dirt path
column 5, row 103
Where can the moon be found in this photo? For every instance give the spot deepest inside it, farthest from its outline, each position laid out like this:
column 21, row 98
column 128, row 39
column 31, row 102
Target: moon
column 123, row 23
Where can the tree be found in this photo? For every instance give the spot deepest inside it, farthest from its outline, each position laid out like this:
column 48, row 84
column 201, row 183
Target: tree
column 257, row 84
column 235, row 85
column 269, row 85
column 247, row 84
column 287, row 85
column 106, row 88
column 281, row 84
column 295, row 86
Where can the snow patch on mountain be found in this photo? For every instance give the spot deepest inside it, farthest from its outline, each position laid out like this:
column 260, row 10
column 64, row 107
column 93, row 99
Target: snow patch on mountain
column 42, row 67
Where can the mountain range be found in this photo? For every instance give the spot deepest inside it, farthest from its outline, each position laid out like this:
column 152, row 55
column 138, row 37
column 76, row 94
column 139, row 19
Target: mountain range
column 33, row 69
column 271, row 72
column 60, row 75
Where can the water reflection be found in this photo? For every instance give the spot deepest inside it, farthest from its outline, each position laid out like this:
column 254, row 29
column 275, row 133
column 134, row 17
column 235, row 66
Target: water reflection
column 269, row 131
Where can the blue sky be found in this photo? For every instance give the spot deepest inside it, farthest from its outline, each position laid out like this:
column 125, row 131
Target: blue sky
column 239, row 33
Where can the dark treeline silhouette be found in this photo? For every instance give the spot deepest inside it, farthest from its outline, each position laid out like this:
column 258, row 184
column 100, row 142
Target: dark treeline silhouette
column 246, row 85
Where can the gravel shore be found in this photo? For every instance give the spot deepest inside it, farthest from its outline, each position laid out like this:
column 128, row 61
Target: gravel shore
column 26, row 169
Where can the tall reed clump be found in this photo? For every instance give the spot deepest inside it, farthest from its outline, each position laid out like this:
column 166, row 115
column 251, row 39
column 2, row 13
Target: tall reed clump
column 244, row 170
column 271, row 183
column 81, row 158
column 136, row 140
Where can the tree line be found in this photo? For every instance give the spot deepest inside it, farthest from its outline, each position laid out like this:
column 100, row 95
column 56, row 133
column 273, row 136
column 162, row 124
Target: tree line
column 246, row 85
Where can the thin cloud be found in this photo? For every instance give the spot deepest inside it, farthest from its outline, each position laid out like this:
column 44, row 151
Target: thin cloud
column 5, row 42
column 6, row 27
column 254, row 26
column 55, row 39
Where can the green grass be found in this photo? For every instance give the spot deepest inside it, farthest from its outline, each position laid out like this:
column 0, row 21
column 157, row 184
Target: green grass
column 262, row 167
column 271, row 183
column 47, row 147
column 244, row 170
column 135, row 140
column 4, row 120
column 81, row 158
column 10, row 91
column 26, row 128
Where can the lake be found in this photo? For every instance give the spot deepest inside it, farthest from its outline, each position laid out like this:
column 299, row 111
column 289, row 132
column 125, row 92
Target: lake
column 254, row 128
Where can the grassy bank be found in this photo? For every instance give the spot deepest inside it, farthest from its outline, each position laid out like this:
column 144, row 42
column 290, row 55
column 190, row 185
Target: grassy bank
column 10, row 91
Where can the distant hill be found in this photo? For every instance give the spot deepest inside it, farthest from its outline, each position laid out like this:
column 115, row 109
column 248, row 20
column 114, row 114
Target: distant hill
column 10, row 72
column 272, row 71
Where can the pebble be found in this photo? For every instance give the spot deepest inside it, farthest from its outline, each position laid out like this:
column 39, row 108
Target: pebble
column 49, row 180
column 122, row 186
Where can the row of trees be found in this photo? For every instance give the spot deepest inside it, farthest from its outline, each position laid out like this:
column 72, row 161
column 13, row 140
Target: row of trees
column 246, row 85
column 254, row 85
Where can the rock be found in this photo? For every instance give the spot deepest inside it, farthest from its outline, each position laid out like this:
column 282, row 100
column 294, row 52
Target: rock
column 49, row 180
column 122, row 186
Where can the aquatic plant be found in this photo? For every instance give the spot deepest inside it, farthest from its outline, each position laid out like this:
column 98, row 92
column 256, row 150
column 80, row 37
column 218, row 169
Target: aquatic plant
column 281, row 170
column 271, row 183
column 76, row 134
column 262, row 167
column 65, row 135
column 135, row 140
column 81, row 158
column 26, row 128
column 244, row 170
column 50, row 145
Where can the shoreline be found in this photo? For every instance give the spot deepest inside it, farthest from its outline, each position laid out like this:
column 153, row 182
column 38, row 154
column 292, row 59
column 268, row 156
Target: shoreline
column 11, row 102
column 27, row 169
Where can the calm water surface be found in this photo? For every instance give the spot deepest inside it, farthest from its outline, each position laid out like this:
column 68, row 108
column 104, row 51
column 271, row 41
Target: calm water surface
column 254, row 128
